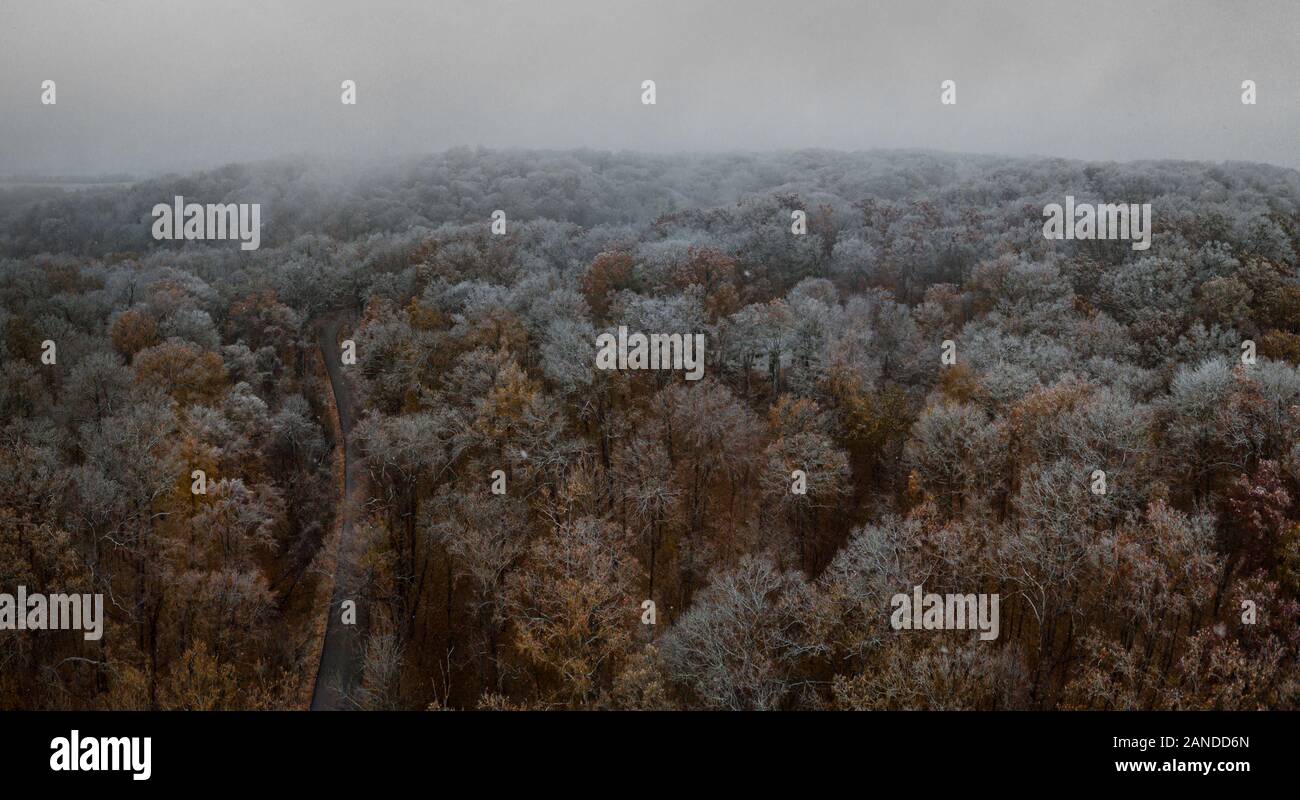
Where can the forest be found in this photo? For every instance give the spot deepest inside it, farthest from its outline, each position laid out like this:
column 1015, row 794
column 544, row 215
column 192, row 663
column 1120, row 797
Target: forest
column 1177, row 587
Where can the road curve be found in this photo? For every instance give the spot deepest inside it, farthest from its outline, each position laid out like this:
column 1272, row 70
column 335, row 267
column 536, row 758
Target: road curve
column 339, row 669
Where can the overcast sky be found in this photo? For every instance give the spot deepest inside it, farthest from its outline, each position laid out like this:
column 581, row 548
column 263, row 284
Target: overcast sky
column 147, row 86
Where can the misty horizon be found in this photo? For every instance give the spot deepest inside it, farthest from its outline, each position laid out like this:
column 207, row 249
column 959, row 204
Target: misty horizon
column 149, row 91
column 92, row 179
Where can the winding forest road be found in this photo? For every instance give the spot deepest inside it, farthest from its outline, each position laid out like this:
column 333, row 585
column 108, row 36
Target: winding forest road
column 339, row 669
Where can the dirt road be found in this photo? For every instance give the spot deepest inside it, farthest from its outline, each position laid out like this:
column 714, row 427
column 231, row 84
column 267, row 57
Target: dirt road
column 339, row 670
